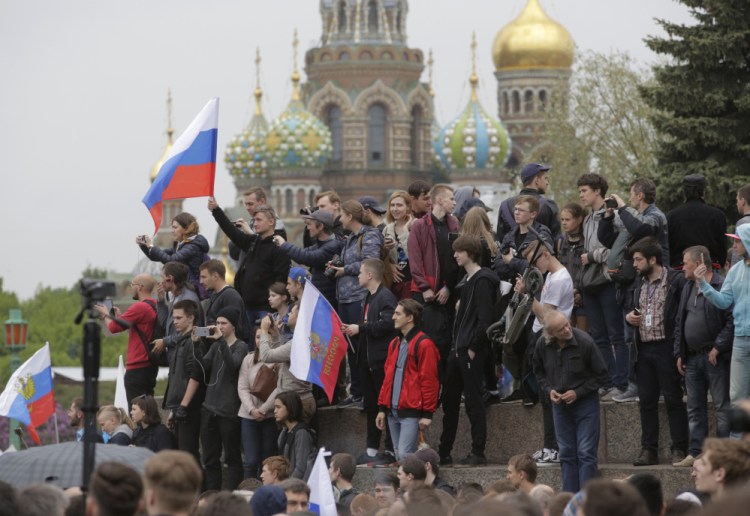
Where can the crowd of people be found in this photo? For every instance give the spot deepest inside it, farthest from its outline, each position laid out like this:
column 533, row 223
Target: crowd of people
column 633, row 306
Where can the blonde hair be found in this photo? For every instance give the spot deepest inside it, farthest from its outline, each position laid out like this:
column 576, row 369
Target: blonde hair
column 117, row 413
column 175, row 479
column 476, row 222
column 407, row 200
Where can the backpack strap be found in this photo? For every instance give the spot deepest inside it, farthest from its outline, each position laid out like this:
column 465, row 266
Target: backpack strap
column 142, row 335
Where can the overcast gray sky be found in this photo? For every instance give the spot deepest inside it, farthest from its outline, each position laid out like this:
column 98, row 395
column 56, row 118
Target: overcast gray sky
column 82, row 101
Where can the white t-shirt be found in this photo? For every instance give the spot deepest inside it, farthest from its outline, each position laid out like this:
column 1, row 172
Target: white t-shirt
column 558, row 292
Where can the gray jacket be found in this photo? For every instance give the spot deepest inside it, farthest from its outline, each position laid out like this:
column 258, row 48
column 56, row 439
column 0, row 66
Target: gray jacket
column 365, row 244
column 274, row 351
column 222, row 363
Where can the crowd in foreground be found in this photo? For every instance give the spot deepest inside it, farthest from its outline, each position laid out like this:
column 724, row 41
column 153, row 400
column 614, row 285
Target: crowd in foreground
column 171, row 486
column 632, row 306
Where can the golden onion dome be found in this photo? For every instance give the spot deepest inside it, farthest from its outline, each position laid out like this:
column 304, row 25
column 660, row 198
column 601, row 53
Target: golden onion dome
column 533, row 40
column 230, row 273
column 157, row 166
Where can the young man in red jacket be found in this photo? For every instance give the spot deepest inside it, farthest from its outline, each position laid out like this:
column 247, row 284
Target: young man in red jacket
column 409, row 395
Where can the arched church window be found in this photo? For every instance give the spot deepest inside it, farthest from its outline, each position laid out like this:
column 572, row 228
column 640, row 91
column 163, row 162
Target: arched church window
column 376, row 135
column 415, row 146
column 516, row 102
column 528, row 101
column 333, row 121
column 372, row 16
column 289, row 201
column 300, row 198
column 542, row 100
column 506, row 103
column 342, row 16
column 398, row 21
column 344, row 56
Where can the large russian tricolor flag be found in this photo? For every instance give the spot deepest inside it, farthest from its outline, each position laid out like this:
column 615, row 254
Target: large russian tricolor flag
column 28, row 396
column 318, row 345
column 190, row 165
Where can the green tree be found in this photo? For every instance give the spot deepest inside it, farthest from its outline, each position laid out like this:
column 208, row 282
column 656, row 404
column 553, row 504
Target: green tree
column 701, row 98
column 601, row 125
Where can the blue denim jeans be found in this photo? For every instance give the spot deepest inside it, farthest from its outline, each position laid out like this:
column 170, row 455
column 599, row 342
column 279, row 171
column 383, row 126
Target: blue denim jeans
column 350, row 313
column 605, row 320
column 701, row 378
column 577, row 428
column 404, row 432
column 258, row 443
column 739, row 372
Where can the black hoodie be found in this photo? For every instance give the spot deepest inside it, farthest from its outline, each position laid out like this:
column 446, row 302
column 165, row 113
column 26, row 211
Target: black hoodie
column 475, row 311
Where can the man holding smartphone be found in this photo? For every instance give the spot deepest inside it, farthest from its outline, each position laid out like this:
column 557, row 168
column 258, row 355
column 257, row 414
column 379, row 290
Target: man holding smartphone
column 140, row 373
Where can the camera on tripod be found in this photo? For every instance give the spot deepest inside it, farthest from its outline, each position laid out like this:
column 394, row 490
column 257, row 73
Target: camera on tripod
column 95, row 291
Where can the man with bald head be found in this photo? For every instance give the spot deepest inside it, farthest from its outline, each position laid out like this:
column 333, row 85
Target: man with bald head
column 570, row 369
column 140, row 373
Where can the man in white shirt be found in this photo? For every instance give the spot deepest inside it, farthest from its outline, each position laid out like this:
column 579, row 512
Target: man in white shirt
column 557, row 294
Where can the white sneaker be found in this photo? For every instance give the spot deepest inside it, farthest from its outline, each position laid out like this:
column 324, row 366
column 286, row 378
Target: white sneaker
column 548, row 457
column 631, row 394
column 552, row 457
column 537, row 455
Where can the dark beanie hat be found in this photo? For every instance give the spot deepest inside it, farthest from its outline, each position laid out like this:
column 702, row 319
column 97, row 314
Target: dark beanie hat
column 268, row 500
column 230, row 314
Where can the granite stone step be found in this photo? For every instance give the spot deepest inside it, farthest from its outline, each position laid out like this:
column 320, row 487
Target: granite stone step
column 511, row 429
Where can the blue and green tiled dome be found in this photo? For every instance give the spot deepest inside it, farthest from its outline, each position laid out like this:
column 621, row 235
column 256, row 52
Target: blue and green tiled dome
column 297, row 139
column 245, row 155
column 474, row 139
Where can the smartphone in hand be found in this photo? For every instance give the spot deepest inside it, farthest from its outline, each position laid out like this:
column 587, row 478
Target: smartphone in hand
column 202, row 331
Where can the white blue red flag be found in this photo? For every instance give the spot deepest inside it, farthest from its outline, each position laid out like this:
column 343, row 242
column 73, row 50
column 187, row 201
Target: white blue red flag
column 318, row 345
column 321, row 491
column 28, row 396
column 190, row 165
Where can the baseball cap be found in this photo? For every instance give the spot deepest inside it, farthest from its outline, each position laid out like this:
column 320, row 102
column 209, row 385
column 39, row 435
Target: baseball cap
column 428, row 455
column 322, row 216
column 733, row 235
column 532, row 169
column 370, row 203
column 298, row 274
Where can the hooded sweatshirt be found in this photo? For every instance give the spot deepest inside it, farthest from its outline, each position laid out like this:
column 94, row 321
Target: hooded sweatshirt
column 736, row 289
column 475, row 311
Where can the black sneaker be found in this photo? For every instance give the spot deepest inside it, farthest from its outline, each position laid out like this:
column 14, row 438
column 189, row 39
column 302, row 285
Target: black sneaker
column 472, row 460
column 446, row 461
column 513, row 397
column 490, row 399
column 646, row 458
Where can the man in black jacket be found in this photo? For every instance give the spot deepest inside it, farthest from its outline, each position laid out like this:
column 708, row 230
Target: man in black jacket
column 220, row 425
column 213, row 278
column 703, row 347
column 535, row 183
column 186, row 386
column 654, row 307
column 323, row 246
column 697, row 223
column 470, row 348
column 263, row 263
column 376, row 330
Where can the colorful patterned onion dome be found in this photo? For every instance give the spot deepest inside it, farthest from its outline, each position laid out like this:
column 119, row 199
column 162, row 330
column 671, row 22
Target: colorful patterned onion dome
column 245, row 155
column 474, row 139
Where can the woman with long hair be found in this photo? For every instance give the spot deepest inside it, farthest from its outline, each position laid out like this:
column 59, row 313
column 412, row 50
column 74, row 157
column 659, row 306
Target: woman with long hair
column 189, row 247
column 477, row 223
column 278, row 299
column 570, row 247
column 259, row 431
column 116, row 423
column 296, row 441
column 396, row 236
column 364, row 241
column 149, row 432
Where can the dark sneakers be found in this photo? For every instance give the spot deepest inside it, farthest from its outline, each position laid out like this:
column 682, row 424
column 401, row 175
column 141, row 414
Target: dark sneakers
column 446, row 460
column 646, row 458
column 472, row 460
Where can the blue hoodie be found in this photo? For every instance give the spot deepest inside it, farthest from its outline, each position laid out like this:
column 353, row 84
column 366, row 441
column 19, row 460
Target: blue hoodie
column 736, row 289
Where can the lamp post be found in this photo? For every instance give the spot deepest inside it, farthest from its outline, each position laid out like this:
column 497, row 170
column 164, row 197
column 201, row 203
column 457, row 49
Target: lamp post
column 16, row 331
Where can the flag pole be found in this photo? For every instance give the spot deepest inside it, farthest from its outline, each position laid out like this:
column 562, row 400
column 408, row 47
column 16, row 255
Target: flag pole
column 57, row 432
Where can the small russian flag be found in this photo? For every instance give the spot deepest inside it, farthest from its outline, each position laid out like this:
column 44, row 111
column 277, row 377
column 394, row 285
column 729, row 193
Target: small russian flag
column 190, row 166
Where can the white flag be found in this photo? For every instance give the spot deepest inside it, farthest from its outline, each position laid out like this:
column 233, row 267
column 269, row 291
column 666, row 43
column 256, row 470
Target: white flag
column 321, row 491
column 121, row 398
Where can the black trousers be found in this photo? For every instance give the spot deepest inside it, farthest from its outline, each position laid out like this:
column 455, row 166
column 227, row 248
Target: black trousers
column 464, row 376
column 140, row 381
column 372, row 381
column 219, row 432
column 188, row 434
